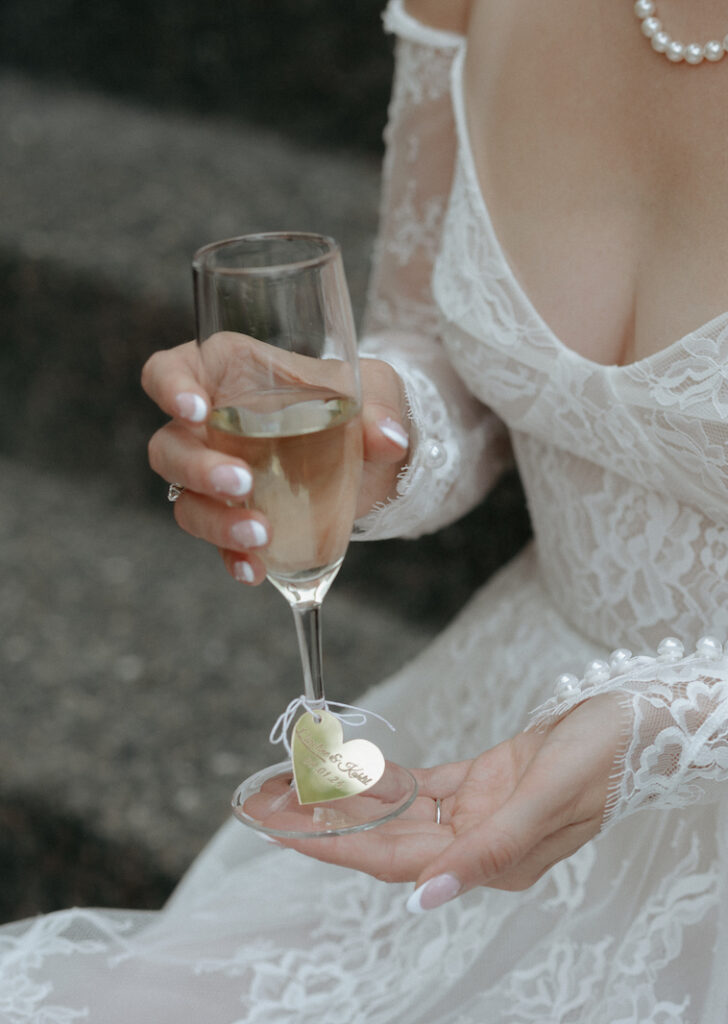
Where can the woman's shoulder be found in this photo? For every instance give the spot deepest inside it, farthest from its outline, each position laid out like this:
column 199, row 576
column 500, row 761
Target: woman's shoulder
column 450, row 15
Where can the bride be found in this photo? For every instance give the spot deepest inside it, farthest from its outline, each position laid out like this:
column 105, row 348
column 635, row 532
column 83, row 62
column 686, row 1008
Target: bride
column 549, row 286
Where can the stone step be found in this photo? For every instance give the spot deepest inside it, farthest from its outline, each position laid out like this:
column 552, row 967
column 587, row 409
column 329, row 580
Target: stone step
column 102, row 204
column 315, row 69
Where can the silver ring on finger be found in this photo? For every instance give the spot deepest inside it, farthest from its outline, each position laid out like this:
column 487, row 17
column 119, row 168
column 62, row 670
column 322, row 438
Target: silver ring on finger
column 438, row 811
column 174, row 491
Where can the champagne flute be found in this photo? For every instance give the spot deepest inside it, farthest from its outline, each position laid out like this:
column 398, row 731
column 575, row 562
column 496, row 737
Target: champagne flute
column 278, row 352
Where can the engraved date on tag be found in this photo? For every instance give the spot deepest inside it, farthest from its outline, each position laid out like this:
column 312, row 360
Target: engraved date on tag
column 326, row 768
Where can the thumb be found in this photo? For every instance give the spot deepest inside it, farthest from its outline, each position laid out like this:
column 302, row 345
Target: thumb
column 384, row 413
column 475, row 858
column 385, row 438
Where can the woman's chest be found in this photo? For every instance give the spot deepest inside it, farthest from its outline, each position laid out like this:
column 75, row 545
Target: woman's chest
column 604, row 169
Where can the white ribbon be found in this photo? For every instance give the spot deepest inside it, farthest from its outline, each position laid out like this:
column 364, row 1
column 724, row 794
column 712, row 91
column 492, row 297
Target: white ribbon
column 279, row 732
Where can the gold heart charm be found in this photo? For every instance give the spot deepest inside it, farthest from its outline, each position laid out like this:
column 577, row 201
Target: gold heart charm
column 326, row 768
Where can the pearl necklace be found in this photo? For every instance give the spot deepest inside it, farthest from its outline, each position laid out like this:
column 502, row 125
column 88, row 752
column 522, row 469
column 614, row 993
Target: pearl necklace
column 691, row 53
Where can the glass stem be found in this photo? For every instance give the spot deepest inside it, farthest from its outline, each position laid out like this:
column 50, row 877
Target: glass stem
column 308, row 630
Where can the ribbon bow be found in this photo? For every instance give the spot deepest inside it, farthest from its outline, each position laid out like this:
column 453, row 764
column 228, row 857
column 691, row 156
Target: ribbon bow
column 355, row 717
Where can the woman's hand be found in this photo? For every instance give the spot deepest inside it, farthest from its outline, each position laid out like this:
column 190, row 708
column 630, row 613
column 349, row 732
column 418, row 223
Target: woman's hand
column 216, row 484
column 506, row 817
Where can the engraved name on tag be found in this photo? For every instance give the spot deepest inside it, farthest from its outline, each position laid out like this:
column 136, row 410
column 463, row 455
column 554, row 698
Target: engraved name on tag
column 326, row 768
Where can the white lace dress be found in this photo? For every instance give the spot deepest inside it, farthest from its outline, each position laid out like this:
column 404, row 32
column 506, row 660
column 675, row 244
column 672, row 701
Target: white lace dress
column 626, row 474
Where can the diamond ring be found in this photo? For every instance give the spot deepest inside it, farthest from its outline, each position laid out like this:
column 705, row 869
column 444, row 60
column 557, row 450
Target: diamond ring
column 174, row 491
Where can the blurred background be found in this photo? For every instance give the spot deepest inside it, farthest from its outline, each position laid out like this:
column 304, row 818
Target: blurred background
column 138, row 682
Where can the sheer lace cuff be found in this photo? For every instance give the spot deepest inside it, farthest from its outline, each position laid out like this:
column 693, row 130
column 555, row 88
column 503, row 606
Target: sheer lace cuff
column 675, row 749
column 457, row 447
column 416, row 179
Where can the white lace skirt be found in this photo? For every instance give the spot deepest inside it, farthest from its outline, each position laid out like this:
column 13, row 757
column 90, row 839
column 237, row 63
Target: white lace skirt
column 632, row 928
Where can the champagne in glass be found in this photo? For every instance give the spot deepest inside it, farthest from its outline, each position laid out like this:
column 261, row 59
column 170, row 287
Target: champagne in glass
column 305, row 449
column 278, row 354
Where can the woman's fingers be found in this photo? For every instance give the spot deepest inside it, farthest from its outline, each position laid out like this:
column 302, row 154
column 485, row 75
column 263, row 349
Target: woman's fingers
column 384, row 413
column 551, row 804
column 385, row 438
column 443, row 780
column 179, row 456
column 244, row 567
column 498, row 859
column 544, row 855
column 231, row 528
column 215, row 484
column 210, row 506
column 238, row 533
column 487, row 854
column 173, row 379
column 385, row 426
column 395, row 852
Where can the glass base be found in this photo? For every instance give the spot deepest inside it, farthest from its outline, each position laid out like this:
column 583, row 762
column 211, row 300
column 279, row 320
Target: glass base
column 267, row 801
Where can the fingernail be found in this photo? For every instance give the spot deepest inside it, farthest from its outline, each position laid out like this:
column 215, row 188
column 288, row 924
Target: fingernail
column 243, row 573
column 434, row 893
column 394, row 431
column 191, row 407
column 231, row 480
column 250, row 533
column 269, row 839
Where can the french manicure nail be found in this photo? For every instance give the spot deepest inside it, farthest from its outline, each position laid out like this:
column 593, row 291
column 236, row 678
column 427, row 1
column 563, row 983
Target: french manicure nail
column 243, row 572
column 394, row 431
column 191, row 407
column 250, row 533
column 270, row 839
column 434, row 893
column 231, row 480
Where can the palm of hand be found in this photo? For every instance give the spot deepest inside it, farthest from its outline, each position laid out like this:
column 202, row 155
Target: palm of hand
column 508, row 815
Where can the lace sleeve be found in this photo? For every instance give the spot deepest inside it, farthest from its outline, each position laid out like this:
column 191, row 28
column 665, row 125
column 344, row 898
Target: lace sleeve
column 458, row 448
column 675, row 747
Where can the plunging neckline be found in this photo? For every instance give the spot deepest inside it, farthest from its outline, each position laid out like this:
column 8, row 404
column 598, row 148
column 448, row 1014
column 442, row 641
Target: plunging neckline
column 468, row 162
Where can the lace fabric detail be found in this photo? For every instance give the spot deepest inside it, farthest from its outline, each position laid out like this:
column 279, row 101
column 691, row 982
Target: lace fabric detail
column 450, row 428
column 675, row 751
column 25, row 949
column 552, row 986
column 416, row 182
column 622, row 560
column 435, row 487
column 625, row 470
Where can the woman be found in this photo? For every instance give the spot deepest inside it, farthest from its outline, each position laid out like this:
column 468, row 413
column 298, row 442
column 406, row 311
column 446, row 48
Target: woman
column 555, row 227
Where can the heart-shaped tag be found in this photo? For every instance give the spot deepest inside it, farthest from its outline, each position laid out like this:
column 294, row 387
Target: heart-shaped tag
column 326, row 768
